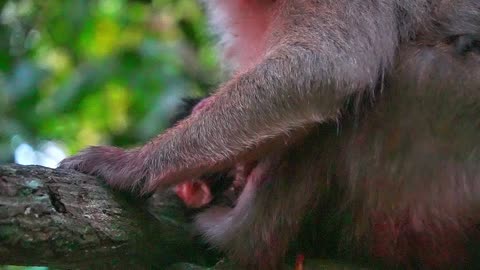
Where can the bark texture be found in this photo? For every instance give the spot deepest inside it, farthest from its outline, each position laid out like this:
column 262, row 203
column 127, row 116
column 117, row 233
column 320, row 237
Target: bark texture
column 67, row 219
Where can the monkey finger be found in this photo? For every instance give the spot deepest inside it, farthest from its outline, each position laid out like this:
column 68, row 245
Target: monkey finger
column 116, row 166
column 85, row 159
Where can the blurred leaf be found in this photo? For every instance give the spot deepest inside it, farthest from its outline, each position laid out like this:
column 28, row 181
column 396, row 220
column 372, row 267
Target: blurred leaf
column 84, row 72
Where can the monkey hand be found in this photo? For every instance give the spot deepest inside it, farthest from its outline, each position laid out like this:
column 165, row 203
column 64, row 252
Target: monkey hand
column 118, row 167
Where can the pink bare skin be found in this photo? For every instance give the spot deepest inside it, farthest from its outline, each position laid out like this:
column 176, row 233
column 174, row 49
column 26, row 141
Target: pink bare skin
column 194, row 193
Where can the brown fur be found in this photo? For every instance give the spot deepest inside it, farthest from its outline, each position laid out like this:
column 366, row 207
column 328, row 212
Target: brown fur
column 408, row 171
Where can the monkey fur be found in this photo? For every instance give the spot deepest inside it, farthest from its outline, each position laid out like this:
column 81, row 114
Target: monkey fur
column 293, row 115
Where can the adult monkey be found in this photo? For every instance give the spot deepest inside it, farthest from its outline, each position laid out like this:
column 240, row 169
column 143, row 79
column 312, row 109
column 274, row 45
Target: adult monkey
column 295, row 63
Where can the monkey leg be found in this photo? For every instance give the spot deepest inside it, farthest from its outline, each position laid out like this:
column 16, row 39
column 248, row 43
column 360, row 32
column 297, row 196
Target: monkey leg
column 279, row 192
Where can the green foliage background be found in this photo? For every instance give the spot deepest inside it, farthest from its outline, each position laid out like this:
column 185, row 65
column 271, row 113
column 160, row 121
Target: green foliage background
column 83, row 72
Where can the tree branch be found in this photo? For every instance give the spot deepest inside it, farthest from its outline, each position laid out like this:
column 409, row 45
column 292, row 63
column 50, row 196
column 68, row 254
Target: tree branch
column 62, row 218
column 70, row 220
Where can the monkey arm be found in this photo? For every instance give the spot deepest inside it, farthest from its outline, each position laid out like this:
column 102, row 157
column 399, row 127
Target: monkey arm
column 298, row 82
column 250, row 110
column 295, row 85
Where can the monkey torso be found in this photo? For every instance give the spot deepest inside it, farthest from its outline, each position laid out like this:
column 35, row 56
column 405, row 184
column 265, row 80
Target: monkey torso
column 408, row 168
column 248, row 29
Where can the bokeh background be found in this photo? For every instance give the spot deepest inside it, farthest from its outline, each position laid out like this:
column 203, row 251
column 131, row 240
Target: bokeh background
column 75, row 73
column 85, row 72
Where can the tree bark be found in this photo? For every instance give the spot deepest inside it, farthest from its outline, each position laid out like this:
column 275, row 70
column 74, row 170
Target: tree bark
column 67, row 219
column 64, row 219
